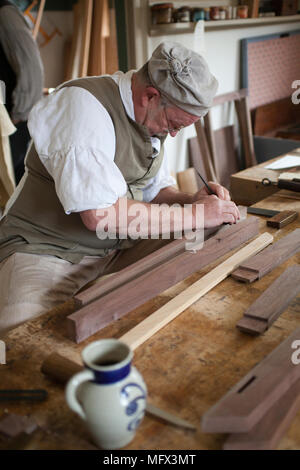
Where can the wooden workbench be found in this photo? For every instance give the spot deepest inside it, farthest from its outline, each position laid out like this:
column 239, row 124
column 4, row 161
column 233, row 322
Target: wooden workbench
column 188, row 366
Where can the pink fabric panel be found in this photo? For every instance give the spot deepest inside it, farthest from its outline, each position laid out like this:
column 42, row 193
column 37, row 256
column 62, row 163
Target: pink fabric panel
column 273, row 65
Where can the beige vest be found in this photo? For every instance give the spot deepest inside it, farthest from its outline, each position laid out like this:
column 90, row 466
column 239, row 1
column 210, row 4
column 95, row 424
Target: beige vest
column 36, row 222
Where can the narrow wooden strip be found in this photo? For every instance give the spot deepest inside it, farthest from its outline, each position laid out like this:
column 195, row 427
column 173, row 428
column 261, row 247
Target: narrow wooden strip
column 131, row 272
column 243, row 113
column 169, row 417
column 232, row 96
column 172, row 309
column 205, row 152
column 87, row 10
column 38, row 20
column 266, row 434
column 211, row 143
column 105, row 310
column 252, row 397
column 276, row 298
column 268, row 259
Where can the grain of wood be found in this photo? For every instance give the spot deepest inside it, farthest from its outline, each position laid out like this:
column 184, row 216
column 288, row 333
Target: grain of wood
column 282, row 219
column 259, row 265
column 205, row 151
column 172, row 309
column 103, row 311
column 253, row 396
column 272, row 302
column 243, row 113
column 266, row 434
column 87, row 10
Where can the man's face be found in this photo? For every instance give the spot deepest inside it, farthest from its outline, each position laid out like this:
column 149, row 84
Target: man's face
column 162, row 120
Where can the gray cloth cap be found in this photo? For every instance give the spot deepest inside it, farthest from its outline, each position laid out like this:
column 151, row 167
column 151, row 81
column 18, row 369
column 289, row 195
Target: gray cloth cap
column 182, row 76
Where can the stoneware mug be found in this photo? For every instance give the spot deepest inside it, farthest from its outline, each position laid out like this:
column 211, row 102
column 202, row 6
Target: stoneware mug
column 112, row 394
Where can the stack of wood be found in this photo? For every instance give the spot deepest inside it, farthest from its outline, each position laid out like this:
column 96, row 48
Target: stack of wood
column 93, row 47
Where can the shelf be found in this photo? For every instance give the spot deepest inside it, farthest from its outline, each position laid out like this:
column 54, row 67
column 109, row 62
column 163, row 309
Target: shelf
column 183, row 28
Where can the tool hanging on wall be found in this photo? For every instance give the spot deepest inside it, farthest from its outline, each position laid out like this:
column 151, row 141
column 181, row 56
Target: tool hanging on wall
column 37, row 22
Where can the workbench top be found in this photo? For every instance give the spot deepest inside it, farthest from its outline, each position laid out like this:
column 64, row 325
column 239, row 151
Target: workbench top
column 188, row 365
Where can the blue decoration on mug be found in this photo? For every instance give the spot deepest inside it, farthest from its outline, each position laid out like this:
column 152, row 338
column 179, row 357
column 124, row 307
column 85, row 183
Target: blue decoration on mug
column 134, row 405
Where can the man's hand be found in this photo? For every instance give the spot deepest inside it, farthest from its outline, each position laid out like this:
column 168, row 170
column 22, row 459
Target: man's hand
column 220, row 191
column 218, row 211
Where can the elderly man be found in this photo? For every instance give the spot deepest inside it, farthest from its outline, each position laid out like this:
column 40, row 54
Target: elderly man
column 96, row 141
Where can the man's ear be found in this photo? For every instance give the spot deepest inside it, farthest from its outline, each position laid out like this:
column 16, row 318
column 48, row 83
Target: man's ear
column 150, row 94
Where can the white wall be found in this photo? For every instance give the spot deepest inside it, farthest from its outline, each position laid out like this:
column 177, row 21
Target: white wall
column 222, row 52
column 53, row 53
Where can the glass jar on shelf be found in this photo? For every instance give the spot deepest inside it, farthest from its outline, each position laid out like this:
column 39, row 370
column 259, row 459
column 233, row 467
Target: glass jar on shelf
column 162, row 13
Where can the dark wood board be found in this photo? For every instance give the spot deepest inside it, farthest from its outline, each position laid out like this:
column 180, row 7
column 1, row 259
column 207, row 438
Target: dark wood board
column 274, row 300
column 100, row 313
column 266, row 434
column 253, row 396
column 262, row 263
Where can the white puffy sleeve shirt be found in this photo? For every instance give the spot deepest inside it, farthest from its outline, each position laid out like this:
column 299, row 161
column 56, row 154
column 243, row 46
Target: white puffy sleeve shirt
column 75, row 139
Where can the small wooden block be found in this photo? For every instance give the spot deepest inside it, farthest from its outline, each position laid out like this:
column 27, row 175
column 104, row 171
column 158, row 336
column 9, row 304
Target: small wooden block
column 252, row 326
column 282, row 219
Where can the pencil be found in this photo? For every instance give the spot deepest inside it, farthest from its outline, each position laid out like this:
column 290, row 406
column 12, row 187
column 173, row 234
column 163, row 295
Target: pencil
column 208, row 187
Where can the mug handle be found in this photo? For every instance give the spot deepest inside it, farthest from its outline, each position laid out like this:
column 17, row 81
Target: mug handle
column 71, row 390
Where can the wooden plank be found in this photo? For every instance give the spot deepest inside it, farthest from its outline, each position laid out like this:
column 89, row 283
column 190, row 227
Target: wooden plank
column 266, row 434
column 205, row 152
column 264, row 262
column 274, row 300
column 87, row 9
column 211, row 143
column 130, row 272
column 76, row 40
column 100, row 33
column 181, row 302
column 38, row 19
column 100, row 313
column 243, row 113
column 253, row 396
column 232, row 96
column 226, row 156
